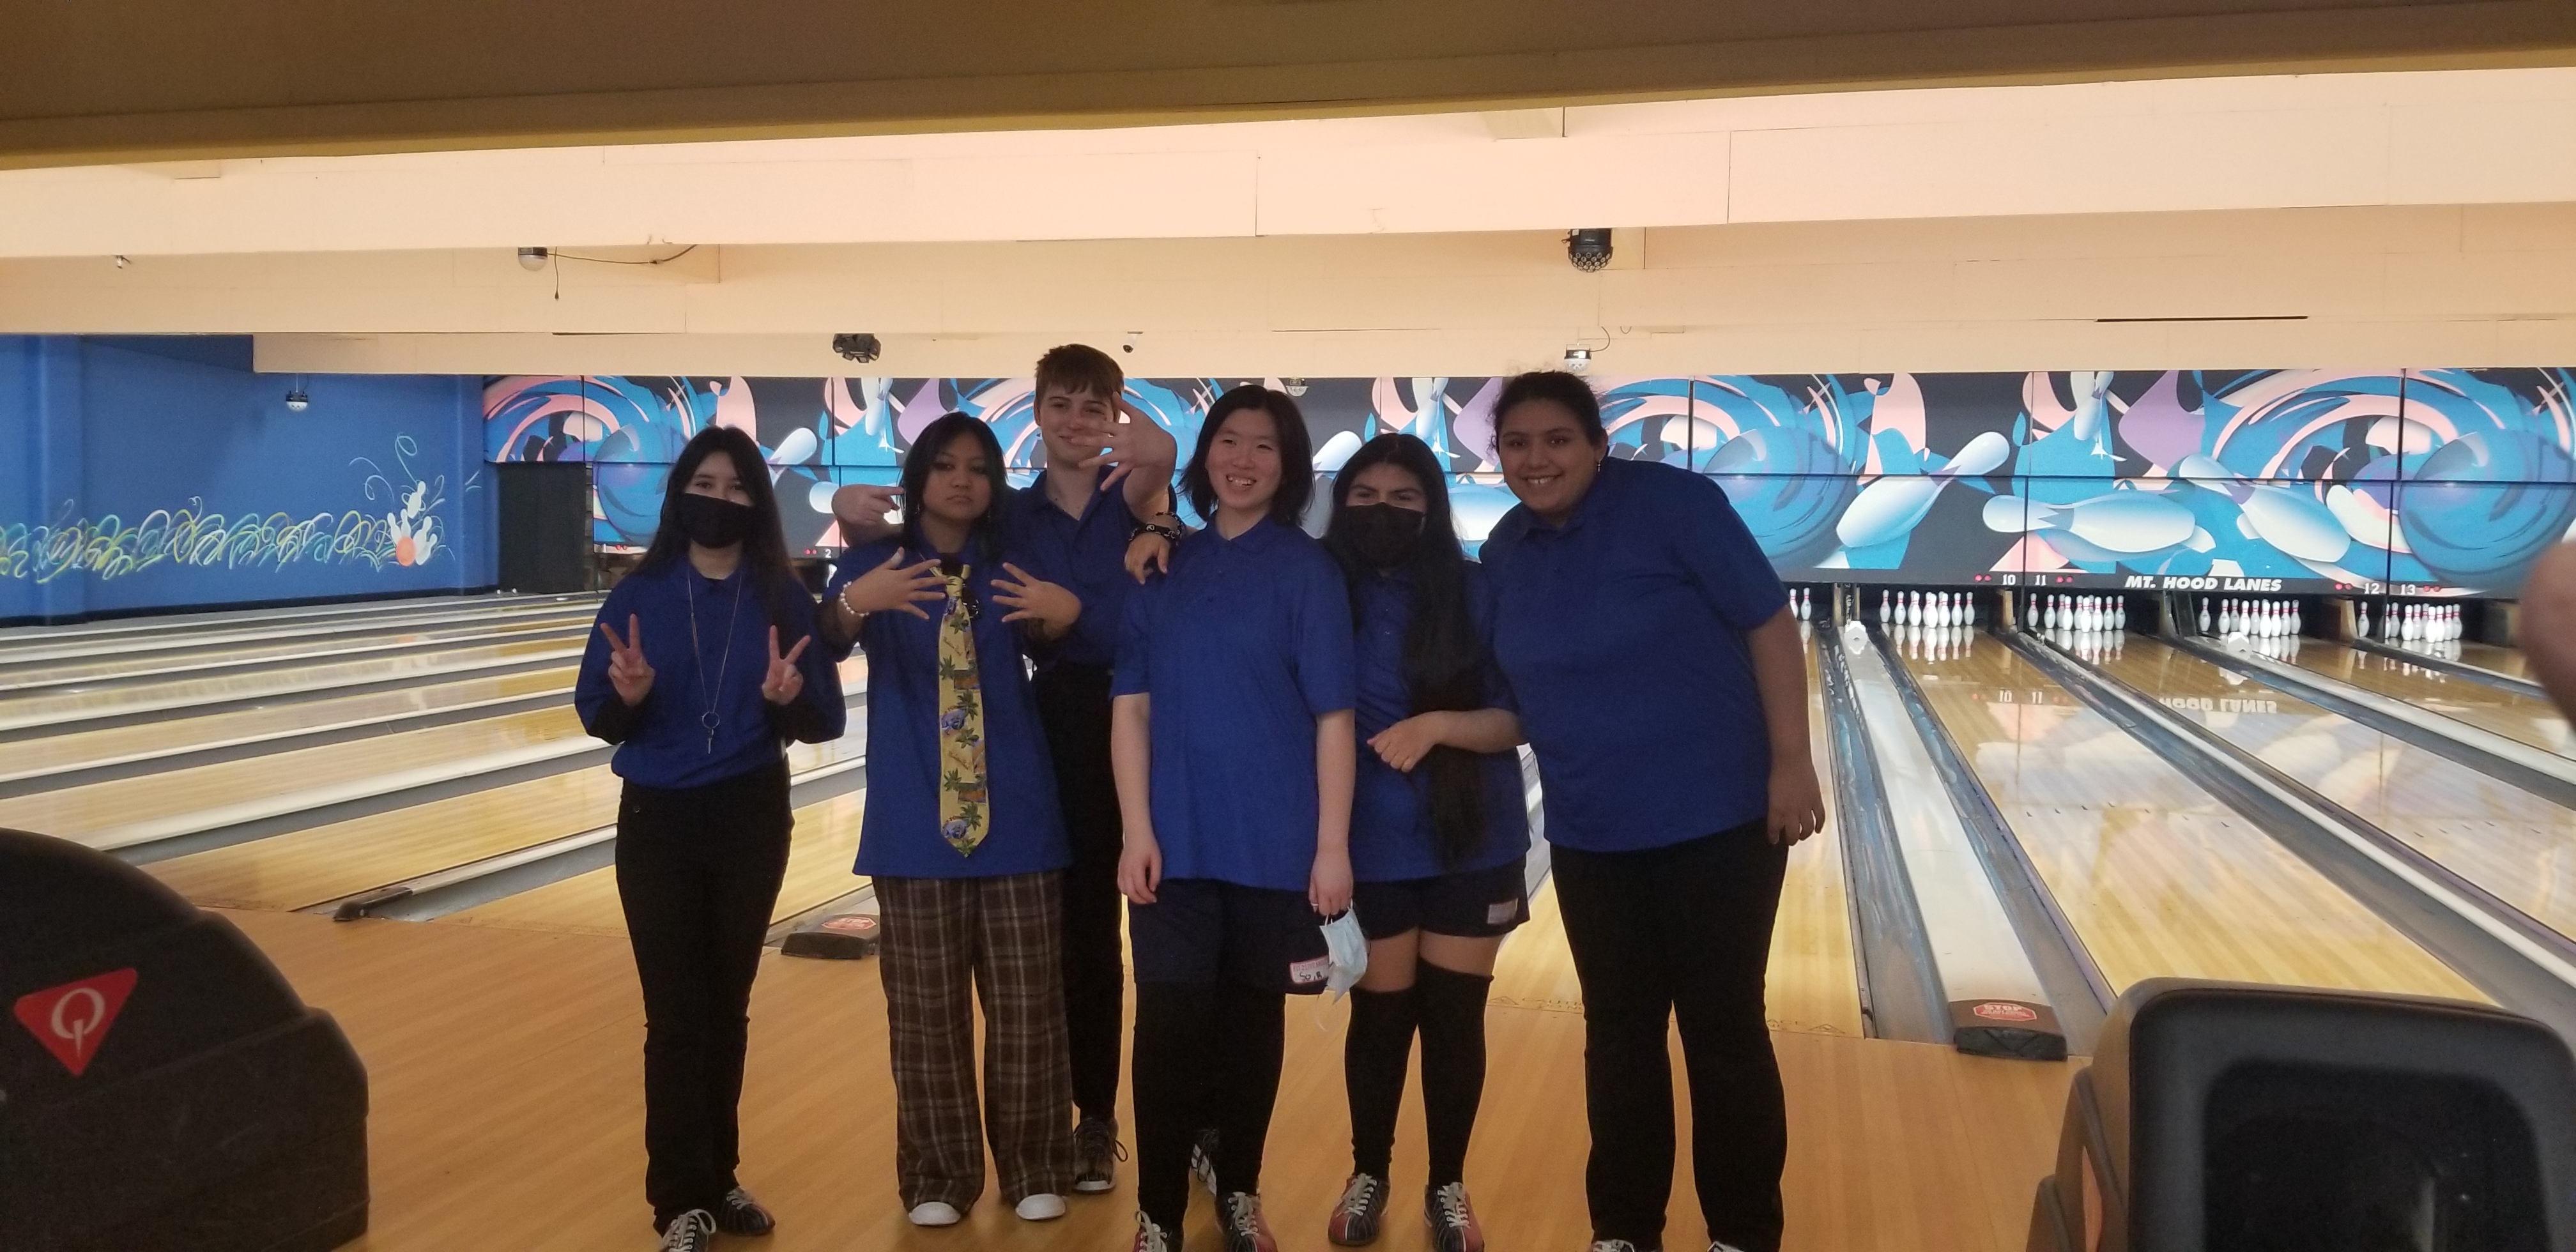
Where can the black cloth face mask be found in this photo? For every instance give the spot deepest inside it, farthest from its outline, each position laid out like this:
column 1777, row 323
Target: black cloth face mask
column 1385, row 535
column 712, row 521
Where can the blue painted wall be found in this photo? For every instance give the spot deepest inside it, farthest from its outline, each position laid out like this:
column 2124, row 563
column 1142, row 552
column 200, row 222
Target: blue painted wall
column 158, row 473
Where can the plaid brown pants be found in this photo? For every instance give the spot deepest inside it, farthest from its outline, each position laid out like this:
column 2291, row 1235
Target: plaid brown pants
column 1001, row 936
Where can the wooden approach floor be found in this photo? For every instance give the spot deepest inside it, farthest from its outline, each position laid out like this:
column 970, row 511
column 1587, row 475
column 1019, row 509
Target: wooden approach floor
column 506, row 1071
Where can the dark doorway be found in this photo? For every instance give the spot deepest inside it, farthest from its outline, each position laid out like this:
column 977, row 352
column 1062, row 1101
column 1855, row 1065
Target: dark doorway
column 545, row 527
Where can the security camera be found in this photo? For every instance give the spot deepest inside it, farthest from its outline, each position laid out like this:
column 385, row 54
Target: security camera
column 533, row 258
column 297, row 401
column 1577, row 360
column 1126, row 347
column 1588, row 248
column 859, row 348
column 1293, row 386
column 121, row 262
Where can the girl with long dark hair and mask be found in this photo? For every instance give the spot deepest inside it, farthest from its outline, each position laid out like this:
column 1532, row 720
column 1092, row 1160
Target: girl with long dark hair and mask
column 963, row 835
column 1438, row 829
column 702, row 669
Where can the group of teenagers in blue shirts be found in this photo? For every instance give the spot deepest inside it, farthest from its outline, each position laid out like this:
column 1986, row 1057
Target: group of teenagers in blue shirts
column 1259, row 741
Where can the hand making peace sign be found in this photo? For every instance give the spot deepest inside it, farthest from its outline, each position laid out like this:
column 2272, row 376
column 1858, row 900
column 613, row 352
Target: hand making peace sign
column 627, row 669
column 784, row 682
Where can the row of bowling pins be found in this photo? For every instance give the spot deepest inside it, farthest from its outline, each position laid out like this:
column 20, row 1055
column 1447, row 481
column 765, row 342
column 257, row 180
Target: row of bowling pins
column 2409, row 623
column 2257, row 619
column 1926, row 608
column 2080, row 614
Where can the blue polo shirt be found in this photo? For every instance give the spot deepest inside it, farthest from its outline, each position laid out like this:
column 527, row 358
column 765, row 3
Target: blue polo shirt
column 1086, row 556
column 1243, row 645
column 1391, row 834
column 899, row 833
column 1623, row 637
column 662, row 743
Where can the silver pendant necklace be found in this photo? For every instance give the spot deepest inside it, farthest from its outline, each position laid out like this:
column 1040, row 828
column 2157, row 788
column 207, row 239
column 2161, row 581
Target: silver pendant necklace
column 689, row 582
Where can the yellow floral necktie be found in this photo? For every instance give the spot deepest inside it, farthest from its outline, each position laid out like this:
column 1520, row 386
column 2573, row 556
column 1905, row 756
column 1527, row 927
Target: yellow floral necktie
column 962, row 804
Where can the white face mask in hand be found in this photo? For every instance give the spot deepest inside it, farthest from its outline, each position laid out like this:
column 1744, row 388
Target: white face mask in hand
column 1349, row 952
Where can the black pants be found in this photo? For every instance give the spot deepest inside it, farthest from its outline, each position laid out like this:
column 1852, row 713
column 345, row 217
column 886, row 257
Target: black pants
column 698, row 872
column 1073, row 702
column 1682, row 930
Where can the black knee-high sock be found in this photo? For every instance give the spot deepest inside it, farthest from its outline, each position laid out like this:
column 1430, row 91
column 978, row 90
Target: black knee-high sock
column 1252, row 1036
column 1374, row 1057
column 1453, row 1065
column 1175, row 1030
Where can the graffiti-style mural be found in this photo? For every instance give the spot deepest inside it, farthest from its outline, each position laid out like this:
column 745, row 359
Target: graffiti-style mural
column 2419, row 481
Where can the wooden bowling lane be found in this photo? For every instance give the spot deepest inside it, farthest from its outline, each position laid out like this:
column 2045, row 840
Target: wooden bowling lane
column 1813, row 985
column 2157, row 876
column 505, row 1076
column 2506, row 661
column 33, row 711
column 2516, row 717
column 249, row 726
column 111, row 663
column 306, row 867
column 2517, row 846
column 110, row 814
column 818, row 870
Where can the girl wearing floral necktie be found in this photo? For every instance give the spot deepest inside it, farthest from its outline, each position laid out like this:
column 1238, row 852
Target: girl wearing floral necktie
column 702, row 668
column 963, row 836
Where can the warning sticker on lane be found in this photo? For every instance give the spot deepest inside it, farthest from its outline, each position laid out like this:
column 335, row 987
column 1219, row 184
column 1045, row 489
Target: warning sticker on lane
column 72, row 1020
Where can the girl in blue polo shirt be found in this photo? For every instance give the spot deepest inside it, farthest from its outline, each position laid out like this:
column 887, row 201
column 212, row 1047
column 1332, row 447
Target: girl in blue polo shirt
column 702, row 668
column 1231, row 734
column 1663, row 685
column 963, row 837
column 1438, row 829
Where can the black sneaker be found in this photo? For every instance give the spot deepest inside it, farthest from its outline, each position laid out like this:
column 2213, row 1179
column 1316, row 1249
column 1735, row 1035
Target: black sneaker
column 1453, row 1223
column 1203, row 1161
column 692, row 1231
column 1096, row 1153
column 1355, row 1217
column 742, row 1215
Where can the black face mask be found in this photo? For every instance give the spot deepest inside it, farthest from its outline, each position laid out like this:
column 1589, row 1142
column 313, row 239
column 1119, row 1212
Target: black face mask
column 711, row 521
column 1384, row 535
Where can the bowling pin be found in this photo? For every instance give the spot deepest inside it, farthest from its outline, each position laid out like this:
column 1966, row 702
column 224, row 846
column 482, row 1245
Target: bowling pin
column 1883, row 612
column 2204, row 615
column 2361, row 619
column 2120, row 614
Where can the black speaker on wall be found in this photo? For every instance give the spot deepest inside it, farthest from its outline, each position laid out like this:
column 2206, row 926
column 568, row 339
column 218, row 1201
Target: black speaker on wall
column 545, row 526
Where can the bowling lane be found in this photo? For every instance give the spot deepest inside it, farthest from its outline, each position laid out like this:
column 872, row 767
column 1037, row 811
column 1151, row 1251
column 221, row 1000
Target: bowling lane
column 109, row 662
column 2506, row 661
column 306, row 867
column 2514, row 844
column 2157, row 876
column 121, row 743
column 31, row 711
column 116, row 813
column 1813, row 986
column 826, row 841
column 2516, row 717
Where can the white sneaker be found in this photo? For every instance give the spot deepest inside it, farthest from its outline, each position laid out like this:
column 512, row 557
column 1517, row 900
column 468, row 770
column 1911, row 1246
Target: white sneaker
column 1041, row 1207
column 936, row 1213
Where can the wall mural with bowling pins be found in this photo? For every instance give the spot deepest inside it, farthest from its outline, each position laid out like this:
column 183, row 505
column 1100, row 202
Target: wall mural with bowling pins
column 2419, row 481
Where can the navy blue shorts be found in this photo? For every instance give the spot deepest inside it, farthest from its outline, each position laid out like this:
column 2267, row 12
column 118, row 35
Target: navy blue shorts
column 1477, row 904
column 1200, row 930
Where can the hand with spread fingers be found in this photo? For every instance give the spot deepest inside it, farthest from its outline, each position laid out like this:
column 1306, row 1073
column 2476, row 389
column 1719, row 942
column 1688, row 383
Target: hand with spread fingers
column 893, row 586
column 784, row 682
column 1031, row 599
column 628, row 672
column 1128, row 444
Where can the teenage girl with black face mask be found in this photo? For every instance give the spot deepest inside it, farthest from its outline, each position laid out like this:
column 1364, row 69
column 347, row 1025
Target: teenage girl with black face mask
column 702, row 669
column 1438, row 829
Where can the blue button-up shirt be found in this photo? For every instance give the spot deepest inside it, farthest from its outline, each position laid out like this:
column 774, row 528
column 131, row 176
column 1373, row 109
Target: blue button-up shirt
column 663, row 743
column 1086, row 556
column 1391, row 830
column 1242, row 646
column 899, row 833
column 1622, row 634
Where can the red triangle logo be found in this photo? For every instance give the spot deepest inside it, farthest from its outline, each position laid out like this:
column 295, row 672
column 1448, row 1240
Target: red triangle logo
column 72, row 1020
